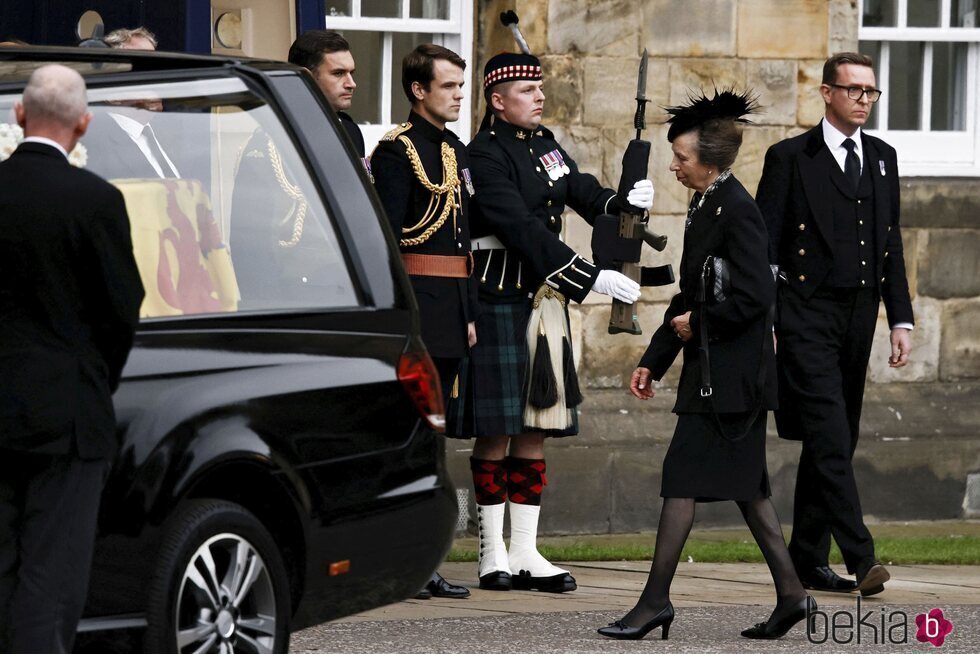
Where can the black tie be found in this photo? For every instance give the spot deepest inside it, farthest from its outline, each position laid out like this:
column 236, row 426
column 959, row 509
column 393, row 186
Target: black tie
column 852, row 165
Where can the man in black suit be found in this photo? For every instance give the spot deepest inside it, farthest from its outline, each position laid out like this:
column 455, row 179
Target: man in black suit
column 327, row 56
column 830, row 198
column 422, row 177
column 69, row 303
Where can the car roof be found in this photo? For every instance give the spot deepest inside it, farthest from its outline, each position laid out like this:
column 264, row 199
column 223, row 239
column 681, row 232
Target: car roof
column 18, row 62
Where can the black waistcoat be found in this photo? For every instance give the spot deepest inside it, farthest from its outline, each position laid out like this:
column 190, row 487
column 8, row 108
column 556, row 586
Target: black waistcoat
column 853, row 237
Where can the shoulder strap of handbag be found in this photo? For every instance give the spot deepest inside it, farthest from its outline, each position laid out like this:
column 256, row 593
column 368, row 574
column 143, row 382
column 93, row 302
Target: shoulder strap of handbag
column 704, row 356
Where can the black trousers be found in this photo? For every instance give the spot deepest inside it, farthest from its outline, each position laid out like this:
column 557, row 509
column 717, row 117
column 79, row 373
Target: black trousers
column 48, row 512
column 824, row 346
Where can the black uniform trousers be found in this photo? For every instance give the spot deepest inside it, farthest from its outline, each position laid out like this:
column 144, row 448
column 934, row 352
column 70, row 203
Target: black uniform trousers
column 48, row 513
column 824, row 346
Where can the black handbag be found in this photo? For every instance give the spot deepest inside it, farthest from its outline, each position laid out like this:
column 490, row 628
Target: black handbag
column 714, row 287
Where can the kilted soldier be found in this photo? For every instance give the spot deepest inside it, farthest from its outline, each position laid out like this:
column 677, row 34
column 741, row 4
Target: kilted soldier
column 526, row 276
column 421, row 173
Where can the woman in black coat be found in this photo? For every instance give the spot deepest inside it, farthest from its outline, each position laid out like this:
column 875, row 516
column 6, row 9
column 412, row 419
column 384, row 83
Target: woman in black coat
column 718, row 451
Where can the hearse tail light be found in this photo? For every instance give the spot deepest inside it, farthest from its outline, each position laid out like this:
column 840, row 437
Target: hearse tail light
column 418, row 375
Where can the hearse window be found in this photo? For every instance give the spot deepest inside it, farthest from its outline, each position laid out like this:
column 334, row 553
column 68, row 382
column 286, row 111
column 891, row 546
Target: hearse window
column 224, row 215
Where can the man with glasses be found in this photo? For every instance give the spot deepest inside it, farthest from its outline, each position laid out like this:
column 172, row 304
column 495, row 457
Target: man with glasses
column 830, row 198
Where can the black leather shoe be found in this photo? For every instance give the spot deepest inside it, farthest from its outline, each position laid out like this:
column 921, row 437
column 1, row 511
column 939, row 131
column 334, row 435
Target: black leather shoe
column 823, row 578
column 424, row 593
column 871, row 577
column 777, row 629
column 498, row 580
column 562, row 583
column 439, row 587
column 621, row 631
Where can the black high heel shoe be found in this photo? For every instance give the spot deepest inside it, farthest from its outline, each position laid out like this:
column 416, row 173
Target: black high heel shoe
column 622, row 631
column 771, row 630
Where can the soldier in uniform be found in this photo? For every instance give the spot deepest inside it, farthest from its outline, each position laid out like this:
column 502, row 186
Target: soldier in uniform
column 422, row 176
column 526, row 275
column 327, row 56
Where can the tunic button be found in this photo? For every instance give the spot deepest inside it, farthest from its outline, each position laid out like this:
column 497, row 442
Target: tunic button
column 886, row 254
column 551, row 183
column 552, row 220
column 802, row 226
column 862, row 282
column 859, row 202
column 860, row 222
column 531, row 150
column 459, row 245
column 889, row 228
column 549, row 203
column 862, row 242
column 537, row 169
column 864, row 263
column 802, row 278
column 802, row 252
column 882, row 280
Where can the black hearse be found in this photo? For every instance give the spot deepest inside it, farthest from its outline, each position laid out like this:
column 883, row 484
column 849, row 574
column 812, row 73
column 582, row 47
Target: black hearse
column 279, row 464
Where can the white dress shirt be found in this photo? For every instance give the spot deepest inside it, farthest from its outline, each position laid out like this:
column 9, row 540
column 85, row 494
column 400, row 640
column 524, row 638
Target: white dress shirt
column 140, row 133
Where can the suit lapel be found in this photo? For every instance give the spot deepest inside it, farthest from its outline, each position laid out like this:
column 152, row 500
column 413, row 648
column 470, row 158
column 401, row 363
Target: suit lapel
column 815, row 174
column 879, row 182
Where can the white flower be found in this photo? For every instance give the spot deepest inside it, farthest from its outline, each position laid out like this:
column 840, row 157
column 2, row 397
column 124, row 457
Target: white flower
column 11, row 135
column 79, row 156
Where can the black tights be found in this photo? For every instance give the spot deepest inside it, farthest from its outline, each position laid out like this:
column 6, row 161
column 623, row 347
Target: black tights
column 676, row 519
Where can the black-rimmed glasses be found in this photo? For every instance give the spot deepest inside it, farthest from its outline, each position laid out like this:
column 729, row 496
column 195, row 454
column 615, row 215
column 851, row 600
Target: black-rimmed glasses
column 855, row 92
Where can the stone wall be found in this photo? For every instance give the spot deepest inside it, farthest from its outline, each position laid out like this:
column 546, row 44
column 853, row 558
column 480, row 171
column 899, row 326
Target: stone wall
column 590, row 50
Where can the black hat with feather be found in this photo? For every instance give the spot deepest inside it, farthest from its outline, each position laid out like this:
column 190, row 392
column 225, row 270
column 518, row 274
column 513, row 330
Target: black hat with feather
column 728, row 104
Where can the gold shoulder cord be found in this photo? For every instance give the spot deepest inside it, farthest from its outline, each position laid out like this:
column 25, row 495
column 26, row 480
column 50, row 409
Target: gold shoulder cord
column 448, row 193
column 299, row 200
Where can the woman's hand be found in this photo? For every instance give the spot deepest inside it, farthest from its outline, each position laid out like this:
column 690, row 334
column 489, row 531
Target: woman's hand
column 682, row 326
column 640, row 384
column 471, row 333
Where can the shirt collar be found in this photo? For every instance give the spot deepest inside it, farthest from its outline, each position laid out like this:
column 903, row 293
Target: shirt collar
column 425, row 128
column 46, row 141
column 133, row 128
column 834, row 138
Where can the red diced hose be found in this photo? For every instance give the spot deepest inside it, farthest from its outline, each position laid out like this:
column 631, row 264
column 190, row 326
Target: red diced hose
column 418, row 375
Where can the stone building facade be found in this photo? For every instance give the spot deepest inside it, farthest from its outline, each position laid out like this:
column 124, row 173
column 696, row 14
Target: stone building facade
column 919, row 457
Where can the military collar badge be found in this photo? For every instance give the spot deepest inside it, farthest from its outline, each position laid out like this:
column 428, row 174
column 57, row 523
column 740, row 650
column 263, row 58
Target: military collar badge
column 468, row 181
column 554, row 165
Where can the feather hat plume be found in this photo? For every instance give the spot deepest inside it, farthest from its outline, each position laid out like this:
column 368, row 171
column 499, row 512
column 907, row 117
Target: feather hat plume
column 728, row 104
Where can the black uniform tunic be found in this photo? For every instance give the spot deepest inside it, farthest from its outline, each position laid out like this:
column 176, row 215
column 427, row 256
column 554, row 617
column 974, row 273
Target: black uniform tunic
column 446, row 304
column 700, row 462
column 523, row 180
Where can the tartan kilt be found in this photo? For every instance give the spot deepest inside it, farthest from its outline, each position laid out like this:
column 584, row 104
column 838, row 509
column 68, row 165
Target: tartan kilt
column 492, row 378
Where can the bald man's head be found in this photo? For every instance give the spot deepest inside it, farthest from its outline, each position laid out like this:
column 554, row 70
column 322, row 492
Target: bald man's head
column 54, row 105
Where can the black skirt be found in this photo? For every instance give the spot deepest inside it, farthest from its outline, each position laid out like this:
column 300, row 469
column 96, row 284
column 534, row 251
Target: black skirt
column 703, row 464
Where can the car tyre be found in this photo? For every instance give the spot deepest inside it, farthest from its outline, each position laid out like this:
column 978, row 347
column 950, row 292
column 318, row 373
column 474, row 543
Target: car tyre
column 219, row 585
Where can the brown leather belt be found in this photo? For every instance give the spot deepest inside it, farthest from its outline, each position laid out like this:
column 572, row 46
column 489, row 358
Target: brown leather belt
column 437, row 265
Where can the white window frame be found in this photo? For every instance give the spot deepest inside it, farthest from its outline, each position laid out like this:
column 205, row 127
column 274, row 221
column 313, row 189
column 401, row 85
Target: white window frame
column 455, row 33
column 924, row 152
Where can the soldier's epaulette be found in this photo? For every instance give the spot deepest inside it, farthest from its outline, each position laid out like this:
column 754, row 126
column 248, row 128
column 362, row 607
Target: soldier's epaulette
column 396, row 131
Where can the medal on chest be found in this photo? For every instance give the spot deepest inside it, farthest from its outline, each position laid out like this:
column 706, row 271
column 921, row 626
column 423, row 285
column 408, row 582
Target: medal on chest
column 468, row 182
column 554, row 164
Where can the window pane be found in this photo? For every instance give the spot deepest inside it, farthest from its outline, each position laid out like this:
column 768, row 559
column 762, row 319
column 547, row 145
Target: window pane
column 366, row 47
column 430, row 9
column 923, row 13
column 873, row 50
column 905, row 85
column 338, row 7
column 220, row 224
column 963, row 13
column 949, row 86
column 401, row 44
column 381, row 8
column 879, row 13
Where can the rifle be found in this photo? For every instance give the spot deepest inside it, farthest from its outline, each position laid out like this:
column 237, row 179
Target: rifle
column 617, row 242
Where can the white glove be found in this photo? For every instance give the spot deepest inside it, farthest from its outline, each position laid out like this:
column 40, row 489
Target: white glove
column 641, row 195
column 617, row 285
